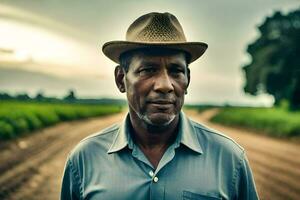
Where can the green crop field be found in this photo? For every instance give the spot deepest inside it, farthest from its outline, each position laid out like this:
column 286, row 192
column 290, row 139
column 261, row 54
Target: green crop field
column 17, row 118
column 199, row 108
column 273, row 121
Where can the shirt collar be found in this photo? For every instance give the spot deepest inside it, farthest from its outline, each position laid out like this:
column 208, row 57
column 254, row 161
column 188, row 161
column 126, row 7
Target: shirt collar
column 122, row 138
column 186, row 136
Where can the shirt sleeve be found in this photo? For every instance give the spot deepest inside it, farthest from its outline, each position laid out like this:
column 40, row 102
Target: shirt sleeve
column 70, row 189
column 245, row 185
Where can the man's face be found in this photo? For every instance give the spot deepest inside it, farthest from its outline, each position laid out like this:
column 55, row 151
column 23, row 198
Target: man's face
column 155, row 86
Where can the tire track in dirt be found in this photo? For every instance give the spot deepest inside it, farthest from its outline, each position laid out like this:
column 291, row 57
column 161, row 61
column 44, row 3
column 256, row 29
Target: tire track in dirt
column 275, row 162
column 284, row 169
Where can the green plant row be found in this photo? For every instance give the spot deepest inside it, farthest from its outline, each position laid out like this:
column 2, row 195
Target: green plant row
column 273, row 121
column 17, row 118
column 199, row 108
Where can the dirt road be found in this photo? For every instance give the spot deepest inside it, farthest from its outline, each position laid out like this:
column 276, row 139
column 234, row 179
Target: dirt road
column 275, row 163
column 31, row 167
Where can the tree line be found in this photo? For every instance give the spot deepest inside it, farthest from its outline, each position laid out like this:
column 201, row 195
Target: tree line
column 70, row 97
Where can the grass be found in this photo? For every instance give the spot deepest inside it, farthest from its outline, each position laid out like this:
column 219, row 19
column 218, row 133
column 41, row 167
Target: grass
column 199, row 108
column 273, row 121
column 18, row 118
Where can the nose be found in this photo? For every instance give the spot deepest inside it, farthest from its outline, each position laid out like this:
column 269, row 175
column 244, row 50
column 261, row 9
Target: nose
column 163, row 83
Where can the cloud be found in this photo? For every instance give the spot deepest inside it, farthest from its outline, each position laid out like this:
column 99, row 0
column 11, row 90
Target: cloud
column 34, row 19
column 21, row 80
column 61, row 71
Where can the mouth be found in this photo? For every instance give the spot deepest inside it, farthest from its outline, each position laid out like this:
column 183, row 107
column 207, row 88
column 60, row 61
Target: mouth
column 161, row 102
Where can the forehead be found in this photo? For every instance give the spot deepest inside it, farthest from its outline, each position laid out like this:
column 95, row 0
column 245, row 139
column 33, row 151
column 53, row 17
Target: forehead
column 159, row 55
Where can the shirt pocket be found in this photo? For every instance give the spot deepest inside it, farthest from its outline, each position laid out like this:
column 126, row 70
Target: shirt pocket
column 186, row 195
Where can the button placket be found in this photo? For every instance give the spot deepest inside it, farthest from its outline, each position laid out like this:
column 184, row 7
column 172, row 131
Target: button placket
column 157, row 189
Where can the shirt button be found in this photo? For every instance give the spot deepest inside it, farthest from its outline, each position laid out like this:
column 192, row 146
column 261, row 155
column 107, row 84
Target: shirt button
column 155, row 179
column 151, row 173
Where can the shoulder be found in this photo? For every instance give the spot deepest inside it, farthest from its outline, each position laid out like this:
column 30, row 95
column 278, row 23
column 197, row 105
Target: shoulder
column 213, row 140
column 101, row 136
column 98, row 142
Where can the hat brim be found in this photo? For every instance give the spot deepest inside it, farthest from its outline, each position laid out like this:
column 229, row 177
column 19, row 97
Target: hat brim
column 114, row 49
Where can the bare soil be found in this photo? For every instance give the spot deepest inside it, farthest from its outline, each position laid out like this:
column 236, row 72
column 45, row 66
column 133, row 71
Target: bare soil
column 275, row 162
column 31, row 167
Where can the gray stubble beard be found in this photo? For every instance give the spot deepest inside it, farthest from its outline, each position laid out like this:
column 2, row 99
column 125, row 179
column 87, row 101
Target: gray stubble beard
column 153, row 127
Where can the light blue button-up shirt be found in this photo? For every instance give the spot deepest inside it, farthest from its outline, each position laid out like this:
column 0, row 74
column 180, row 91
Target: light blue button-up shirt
column 200, row 164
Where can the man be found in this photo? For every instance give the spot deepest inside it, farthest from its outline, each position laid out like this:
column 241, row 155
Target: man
column 156, row 152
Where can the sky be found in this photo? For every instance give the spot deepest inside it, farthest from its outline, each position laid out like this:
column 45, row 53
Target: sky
column 53, row 46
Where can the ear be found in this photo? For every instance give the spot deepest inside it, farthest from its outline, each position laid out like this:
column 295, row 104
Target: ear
column 189, row 79
column 119, row 78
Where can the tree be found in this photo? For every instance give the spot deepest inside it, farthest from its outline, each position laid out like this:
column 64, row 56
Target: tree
column 5, row 96
column 23, row 97
column 275, row 64
column 70, row 96
column 40, row 96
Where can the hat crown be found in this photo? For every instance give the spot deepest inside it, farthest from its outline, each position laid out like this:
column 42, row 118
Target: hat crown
column 156, row 28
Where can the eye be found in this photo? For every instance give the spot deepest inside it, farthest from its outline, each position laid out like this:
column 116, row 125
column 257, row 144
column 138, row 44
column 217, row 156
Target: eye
column 177, row 71
column 147, row 70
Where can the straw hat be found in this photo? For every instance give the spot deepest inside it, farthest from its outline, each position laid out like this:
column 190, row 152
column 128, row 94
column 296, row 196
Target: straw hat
column 161, row 30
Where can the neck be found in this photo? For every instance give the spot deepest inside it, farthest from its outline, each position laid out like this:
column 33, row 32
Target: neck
column 149, row 136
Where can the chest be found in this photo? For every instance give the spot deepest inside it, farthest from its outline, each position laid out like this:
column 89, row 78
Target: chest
column 154, row 156
column 127, row 177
